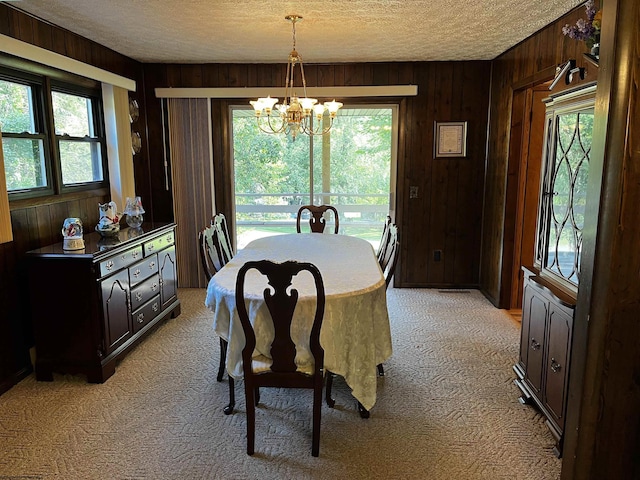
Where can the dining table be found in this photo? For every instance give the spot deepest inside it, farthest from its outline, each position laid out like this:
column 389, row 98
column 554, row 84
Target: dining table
column 355, row 333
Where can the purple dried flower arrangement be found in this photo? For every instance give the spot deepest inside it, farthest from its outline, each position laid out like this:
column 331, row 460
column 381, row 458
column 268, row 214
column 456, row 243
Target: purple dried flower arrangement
column 586, row 30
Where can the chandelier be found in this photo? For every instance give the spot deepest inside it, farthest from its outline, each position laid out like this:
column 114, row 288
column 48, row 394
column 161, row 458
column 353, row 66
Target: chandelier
column 294, row 114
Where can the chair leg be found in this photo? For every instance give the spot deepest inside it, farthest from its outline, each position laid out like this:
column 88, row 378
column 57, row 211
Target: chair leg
column 330, row 401
column 228, row 410
column 251, row 418
column 380, row 370
column 364, row 413
column 223, row 358
column 317, row 412
column 256, row 394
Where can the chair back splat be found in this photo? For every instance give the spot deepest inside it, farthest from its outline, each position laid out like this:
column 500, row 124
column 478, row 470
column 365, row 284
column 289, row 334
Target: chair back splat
column 281, row 369
column 215, row 246
column 317, row 220
column 384, row 240
column 390, row 257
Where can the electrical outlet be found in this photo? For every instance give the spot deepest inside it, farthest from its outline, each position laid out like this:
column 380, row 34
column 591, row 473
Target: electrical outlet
column 437, row 255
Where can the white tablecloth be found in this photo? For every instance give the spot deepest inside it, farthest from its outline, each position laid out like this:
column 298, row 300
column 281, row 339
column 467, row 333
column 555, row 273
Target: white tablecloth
column 355, row 332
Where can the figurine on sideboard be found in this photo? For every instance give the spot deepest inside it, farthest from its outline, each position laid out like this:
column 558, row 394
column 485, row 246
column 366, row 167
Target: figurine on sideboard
column 109, row 223
column 72, row 234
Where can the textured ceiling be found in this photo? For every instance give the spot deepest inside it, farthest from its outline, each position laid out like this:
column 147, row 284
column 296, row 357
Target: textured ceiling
column 255, row 31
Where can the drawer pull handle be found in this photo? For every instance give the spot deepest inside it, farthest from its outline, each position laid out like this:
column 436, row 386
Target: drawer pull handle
column 137, row 273
column 141, row 318
column 555, row 366
column 109, row 265
column 534, row 344
column 155, row 307
column 151, row 246
column 152, row 265
column 154, row 287
column 138, row 296
column 136, row 254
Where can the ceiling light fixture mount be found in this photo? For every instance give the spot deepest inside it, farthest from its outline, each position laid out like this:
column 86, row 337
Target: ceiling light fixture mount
column 294, row 115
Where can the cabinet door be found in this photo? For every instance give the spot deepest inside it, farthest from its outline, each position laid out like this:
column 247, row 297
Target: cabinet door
column 537, row 310
column 524, row 326
column 557, row 362
column 116, row 311
column 168, row 276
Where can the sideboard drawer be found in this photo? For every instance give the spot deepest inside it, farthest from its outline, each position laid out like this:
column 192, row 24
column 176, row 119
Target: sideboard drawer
column 158, row 243
column 120, row 261
column 145, row 314
column 144, row 291
column 143, row 270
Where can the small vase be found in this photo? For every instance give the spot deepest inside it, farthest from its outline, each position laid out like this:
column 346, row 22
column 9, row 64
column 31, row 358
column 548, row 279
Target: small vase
column 134, row 212
column 595, row 50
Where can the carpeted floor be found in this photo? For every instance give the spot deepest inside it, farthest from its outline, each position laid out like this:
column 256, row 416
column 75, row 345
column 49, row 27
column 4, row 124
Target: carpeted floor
column 447, row 409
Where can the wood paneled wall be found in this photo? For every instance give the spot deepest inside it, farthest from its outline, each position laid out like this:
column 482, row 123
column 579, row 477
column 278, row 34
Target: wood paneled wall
column 39, row 222
column 446, row 216
column 529, row 63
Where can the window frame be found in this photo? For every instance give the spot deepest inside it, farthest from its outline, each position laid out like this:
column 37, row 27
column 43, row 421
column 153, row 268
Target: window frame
column 42, row 85
column 99, row 131
column 36, row 83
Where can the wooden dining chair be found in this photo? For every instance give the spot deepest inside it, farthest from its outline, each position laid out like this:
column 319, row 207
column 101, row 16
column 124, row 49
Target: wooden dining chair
column 317, row 220
column 388, row 263
column 281, row 369
column 209, row 248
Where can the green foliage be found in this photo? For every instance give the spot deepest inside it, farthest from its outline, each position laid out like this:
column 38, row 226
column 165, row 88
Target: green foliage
column 72, row 115
column 359, row 164
column 23, row 144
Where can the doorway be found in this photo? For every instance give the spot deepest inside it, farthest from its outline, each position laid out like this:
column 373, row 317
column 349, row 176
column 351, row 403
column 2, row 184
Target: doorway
column 352, row 168
column 525, row 153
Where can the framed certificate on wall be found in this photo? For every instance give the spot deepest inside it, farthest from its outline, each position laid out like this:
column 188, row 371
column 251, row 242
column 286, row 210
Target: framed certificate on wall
column 450, row 139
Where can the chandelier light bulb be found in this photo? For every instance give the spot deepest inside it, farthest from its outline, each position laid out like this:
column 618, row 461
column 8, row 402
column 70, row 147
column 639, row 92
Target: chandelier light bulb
column 333, row 107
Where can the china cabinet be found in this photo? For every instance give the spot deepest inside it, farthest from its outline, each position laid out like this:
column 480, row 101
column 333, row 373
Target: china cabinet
column 90, row 306
column 551, row 284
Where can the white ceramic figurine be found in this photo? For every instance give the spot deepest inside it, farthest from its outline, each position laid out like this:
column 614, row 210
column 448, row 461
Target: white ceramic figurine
column 109, row 223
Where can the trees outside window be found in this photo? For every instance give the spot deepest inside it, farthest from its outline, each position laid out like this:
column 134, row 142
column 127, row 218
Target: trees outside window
column 37, row 160
column 350, row 168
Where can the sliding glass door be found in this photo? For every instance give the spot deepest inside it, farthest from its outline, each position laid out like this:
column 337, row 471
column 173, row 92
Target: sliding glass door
column 351, row 168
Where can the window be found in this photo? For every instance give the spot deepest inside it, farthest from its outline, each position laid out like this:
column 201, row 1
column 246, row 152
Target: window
column 23, row 138
column 79, row 145
column 350, row 168
column 39, row 161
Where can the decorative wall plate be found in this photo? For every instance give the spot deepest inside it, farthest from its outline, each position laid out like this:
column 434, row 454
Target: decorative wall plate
column 136, row 142
column 134, row 110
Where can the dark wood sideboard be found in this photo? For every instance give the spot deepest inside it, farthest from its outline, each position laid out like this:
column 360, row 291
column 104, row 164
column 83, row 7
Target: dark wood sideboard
column 90, row 306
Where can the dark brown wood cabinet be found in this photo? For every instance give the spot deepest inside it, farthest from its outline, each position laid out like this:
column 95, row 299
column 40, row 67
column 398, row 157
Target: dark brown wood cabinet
column 90, row 306
column 551, row 285
column 545, row 349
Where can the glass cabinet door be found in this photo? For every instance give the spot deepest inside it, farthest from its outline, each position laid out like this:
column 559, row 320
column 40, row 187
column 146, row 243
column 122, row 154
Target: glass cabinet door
column 565, row 192
column 568, row 183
